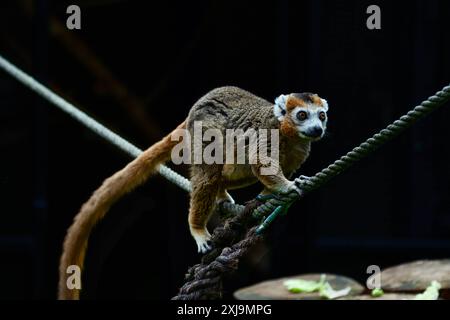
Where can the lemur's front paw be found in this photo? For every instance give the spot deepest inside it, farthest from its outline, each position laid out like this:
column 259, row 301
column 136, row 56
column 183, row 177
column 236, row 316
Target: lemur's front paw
column 302, row 179
column 203, row 240
column 292, row 186
column 299, row 182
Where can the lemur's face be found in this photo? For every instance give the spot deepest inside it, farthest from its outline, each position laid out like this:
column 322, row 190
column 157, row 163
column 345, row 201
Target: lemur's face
column 302, row 114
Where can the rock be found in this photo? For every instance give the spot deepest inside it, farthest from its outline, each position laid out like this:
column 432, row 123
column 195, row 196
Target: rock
column 417, row 276
column 386, row 296
column 275, row 289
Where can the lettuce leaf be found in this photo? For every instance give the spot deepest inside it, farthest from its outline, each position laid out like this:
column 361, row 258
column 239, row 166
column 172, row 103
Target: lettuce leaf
column 377, row 292
column 324, row 288
column 327, row 291
column 300, row 285
column 430, row 293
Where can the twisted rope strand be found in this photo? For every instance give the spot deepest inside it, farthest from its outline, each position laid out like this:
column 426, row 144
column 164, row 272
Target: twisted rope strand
column 88, row 121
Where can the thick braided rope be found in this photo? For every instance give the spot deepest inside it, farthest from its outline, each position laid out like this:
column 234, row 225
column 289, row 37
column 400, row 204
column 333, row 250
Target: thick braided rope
column 87, row 121
column 206, row 280
column 231, row 241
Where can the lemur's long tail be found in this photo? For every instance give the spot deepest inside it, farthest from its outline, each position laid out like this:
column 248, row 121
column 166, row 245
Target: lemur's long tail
column 112, row 189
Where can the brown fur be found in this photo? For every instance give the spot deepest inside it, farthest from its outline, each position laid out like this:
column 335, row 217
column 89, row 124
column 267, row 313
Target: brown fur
column 293, row 102
column 122, row 182
column 206, row 186
column 288, row 128
column 316, row 100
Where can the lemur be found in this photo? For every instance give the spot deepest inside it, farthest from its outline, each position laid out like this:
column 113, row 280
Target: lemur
column 300, row 118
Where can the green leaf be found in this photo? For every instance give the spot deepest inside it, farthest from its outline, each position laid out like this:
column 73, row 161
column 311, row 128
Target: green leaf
column 430, row 293
column 324, row 288
column 377, row 292
column 300, row 285
column 327, row 291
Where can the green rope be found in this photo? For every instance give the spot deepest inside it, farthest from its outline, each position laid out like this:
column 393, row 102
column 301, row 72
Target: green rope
column 272, row 206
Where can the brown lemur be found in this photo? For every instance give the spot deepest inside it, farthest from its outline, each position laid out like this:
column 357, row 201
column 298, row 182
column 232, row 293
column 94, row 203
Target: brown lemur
column 300, row 118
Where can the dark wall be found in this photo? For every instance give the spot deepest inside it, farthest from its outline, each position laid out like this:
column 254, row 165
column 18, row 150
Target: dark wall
column 390, row 208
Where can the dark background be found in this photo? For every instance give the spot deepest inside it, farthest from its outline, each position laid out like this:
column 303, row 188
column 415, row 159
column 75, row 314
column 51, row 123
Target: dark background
column 138, row 66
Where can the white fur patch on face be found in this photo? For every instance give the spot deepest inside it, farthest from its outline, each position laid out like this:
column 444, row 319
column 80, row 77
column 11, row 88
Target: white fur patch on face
column 312, row 121
column 279, row 108
column 324, row 104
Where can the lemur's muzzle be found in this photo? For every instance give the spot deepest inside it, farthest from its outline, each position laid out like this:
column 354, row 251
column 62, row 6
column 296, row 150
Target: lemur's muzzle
column 314, row 132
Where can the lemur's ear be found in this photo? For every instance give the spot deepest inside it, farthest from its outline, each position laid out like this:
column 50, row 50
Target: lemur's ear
column 324, row 104
column 279, row 109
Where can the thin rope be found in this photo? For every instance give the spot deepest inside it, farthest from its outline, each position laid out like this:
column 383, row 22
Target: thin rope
column 87, row 121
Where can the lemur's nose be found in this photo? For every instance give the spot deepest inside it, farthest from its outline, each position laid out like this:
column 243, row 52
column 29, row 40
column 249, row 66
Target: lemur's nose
column 315, row 132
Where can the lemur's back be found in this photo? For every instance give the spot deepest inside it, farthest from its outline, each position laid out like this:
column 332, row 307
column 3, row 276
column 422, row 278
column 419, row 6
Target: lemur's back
column 232, row 108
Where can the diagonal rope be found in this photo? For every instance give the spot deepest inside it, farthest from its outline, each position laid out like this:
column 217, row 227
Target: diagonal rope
column 87, row 121
column 367, row 147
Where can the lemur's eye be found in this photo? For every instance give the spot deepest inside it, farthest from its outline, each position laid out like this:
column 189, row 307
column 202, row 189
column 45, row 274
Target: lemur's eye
column 302, row 115
column 322, row 116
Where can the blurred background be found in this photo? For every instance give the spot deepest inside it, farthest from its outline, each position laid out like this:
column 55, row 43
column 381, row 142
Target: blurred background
column 138, row 66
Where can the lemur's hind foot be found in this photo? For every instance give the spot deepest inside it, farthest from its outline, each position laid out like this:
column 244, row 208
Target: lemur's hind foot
column 203, row 239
